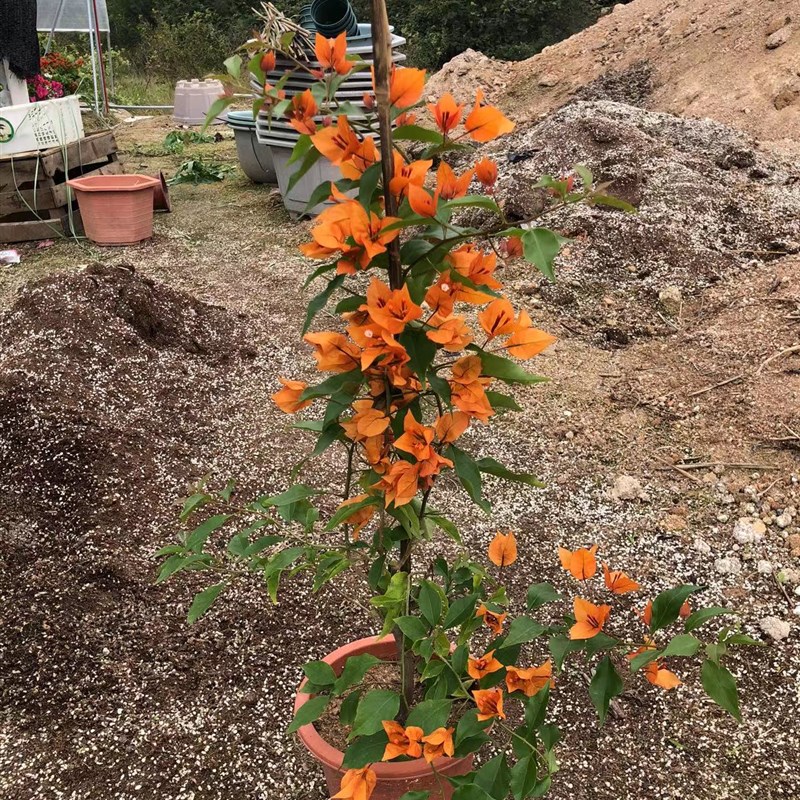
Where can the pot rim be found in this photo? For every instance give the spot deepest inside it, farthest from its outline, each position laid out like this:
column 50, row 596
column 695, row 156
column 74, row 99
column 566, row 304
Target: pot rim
column 330, row 756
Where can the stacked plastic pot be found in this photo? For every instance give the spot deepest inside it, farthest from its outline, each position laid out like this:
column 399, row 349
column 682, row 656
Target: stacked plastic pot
column 330, row 18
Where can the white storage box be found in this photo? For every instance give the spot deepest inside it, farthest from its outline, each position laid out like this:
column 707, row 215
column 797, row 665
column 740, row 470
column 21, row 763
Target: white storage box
column 37, row 126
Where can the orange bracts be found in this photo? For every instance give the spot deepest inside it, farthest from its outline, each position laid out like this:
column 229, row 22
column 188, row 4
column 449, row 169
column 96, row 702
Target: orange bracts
column 449, row 185
column 390, row 308
column 406, row 118
column 368, row 421
column 489, row 702
column 399, row 483
column 481, row 667
column 450, row 332
column 272, row 96
column 618, row 582
column 333, row 352
column 446, row 112
column 302, row 112
column 589, row 619
column 529, row 681
column 288, row 398
column 503, row 549
column 471, row 262
column 332, row 53
column 466, row 388
column 423, row 202
column 357, row 784
column 405, row 86
column 498, row 319
column 268, row 61
column 416, row 438
column 486, row 172
column 485, row 123
column 493, row 621
column 362, row 158
column 407, row 174
column 439, row 743
column 360, row 517
column 581, row 563
column 659, row 676
column 440, row 296
column 338, row 143
column 526, row 341
column 451, row 425
column 402, row 741
column 647, row 613
column 514, row 248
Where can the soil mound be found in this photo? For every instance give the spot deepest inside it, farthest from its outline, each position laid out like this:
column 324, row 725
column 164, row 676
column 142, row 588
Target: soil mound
column 733, row 61
column 709, row 204
column 104, row 378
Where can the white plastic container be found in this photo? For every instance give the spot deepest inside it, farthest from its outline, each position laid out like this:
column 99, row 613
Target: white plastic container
column 37, row 126
column 193, row 100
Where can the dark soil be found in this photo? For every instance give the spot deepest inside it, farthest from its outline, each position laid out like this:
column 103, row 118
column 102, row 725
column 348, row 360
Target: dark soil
column 633, row 86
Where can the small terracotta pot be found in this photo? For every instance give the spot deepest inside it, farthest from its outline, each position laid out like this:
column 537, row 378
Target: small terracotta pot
column 161, row 201
column 116, row 209
column 394, row 778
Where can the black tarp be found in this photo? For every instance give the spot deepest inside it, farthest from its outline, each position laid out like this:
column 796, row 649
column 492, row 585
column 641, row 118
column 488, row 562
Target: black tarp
column 18, row 41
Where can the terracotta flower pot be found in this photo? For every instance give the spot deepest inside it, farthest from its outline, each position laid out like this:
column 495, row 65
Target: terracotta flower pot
column 116, row 209
column 394, row 778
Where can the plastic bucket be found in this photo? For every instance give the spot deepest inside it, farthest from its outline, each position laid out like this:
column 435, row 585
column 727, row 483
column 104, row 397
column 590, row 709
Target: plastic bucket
column 331, row 17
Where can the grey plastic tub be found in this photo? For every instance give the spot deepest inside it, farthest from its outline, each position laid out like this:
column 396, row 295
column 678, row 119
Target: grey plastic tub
column 255, row 159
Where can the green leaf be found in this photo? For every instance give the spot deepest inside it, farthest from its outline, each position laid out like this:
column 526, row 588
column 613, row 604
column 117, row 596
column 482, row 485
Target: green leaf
column 366, row 750
column 375, row 707
column 233, row 66
column 203, row 601
column 352, row 303
column 667, row 605
column 368, row 184
column 585, row 175
column 682, row 645
column 320, row 673
column 560, row 647
column 605, row 685
column 177, row 563
column 440, row 386
column 319, row 271
column 354, row 670
column 644, row 658
column 473, row 201
column 282, row 560
column 720, row 686
column 494, row 777
column 744, row 639
column 310, row 711
column 540, row 246
column 599, row 642
column 292, row 495
column 318, row 302
column 311, row 158
column 612, row 202
column 468, row 473
column 446, row 525
column 703, row 615
column 522, row 630
column 416, row 796
column 412, row 627
column 524, row 777
column 500, row 400
column 430, row 604
column 503, row 368
column 336, row 383
column 345, row 513
column 540, row 594
column 460, row 611
column 319, row 195
column 193, row 503
column 347, row 711
column 197, row 538
column 430, row 714
column 414, row 133
column 470, row 733
column 470, row 791
column 492, row 467
column 421, row 350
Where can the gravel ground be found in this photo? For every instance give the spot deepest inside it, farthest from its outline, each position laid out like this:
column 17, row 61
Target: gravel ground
column 105, row 693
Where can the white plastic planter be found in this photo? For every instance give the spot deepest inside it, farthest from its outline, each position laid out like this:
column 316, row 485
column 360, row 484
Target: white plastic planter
column 193, row 100
column 37, row 126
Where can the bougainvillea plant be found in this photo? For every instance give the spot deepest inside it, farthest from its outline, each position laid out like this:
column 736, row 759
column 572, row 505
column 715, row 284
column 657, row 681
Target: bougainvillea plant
column 424, row 345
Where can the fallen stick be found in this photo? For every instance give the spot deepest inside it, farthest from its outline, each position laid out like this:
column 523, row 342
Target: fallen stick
column 677, row 468
column 717, row 385
column 710, row 464
column 795, row 348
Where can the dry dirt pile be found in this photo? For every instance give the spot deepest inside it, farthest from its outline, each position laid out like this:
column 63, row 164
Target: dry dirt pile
column 709, row 204
column 104, row 378
column 736, row 61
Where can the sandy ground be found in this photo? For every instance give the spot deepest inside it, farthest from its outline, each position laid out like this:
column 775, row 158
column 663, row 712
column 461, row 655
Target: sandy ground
column 105, row 692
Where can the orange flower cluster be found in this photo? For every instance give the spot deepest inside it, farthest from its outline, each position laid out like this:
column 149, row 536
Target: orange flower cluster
column 412, row 743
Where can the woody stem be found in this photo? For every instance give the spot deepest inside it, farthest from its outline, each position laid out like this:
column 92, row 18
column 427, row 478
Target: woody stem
column 382, row 48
